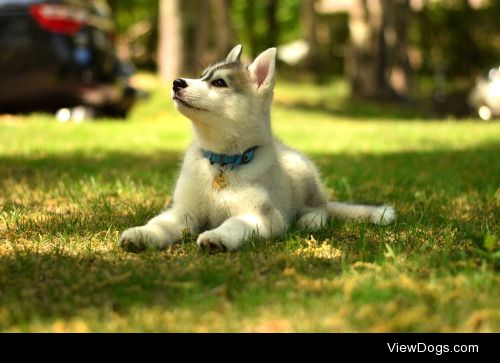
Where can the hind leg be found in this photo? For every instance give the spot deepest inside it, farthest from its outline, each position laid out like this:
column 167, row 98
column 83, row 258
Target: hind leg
column 313, row 218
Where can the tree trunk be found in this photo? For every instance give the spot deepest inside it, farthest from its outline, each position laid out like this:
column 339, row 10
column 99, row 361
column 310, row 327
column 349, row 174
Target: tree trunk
column 192, row 34
column 309, row 22
column 273, row 25
column 170, row 47
column 223, row 31
column 397, row 16
column 198, row 25
column 377, row 64
column 249, row 20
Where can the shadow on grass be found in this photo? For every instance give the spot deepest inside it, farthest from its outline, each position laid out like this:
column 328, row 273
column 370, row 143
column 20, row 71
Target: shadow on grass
column 428, row 188
column 52, row 170
column 117, row 190
column 123, row 189
column 357, row 110
column 361, row 177
column 44, row 288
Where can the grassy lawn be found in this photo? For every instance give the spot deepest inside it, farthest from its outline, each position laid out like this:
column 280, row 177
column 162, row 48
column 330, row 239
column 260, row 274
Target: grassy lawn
column 67, row 190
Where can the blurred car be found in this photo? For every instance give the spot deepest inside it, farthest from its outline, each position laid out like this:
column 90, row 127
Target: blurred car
column 60, row 53
column 485, row 95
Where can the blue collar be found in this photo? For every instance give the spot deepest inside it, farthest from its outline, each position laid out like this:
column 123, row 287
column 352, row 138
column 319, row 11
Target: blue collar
column 235, row 160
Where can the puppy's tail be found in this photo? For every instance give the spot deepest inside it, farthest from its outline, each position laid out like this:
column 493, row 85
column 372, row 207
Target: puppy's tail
column 363, row 213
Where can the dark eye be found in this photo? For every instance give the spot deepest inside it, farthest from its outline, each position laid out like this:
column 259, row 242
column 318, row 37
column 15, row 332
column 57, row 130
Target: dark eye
column 219, row 83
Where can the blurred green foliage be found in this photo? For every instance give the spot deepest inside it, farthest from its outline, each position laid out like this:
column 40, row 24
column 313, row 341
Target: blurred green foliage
column 250, row 23
column 129, row 12
column 447, row 38
column 457, row 39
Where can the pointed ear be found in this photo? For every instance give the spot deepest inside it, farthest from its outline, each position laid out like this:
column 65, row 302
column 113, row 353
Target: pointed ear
column 235, row 54
column 262, row 70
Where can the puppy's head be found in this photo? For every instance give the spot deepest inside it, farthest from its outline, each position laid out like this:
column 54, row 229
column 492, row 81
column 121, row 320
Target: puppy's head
column 228, row 92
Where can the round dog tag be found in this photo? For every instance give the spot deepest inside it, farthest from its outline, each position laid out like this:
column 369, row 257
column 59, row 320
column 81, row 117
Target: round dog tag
column 220, row 181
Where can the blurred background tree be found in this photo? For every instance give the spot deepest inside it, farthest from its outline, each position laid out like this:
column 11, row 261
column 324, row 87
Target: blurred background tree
column 193, row 33
column 377, row 61
column 391, row 50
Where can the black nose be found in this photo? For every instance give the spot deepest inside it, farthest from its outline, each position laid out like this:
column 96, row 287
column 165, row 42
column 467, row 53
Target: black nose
column 179, row 83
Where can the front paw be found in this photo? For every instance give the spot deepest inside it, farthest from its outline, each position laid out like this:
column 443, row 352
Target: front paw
column 138, row 239
column 211, row 242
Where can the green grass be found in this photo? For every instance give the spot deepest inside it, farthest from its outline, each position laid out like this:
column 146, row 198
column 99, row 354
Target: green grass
column 67, row 190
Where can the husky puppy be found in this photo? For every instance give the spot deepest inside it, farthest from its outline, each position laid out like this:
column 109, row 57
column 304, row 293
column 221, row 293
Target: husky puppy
column 237, row 180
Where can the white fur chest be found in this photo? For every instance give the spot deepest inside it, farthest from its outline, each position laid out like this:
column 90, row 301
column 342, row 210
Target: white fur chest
column 238, row 195
column 195, row 188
